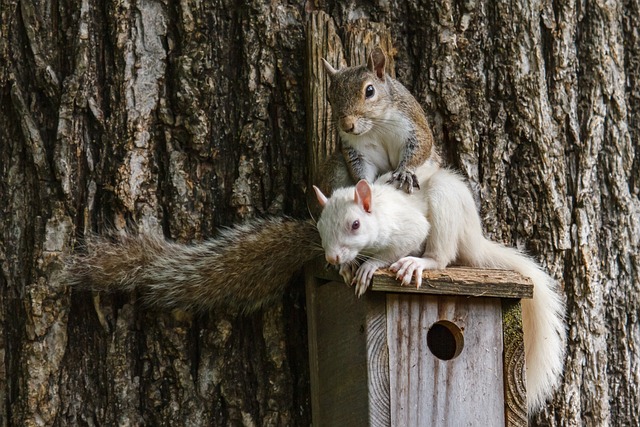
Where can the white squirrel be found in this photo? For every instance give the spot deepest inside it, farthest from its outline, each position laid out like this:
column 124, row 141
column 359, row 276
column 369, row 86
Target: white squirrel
column 436, row 226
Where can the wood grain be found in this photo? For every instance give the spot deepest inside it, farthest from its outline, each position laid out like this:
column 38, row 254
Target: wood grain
column 463, row 281
column 515, row 382
column 428, row 391
column 347, row 345
column 379, row 388
column 466, row 281
column 322, row 42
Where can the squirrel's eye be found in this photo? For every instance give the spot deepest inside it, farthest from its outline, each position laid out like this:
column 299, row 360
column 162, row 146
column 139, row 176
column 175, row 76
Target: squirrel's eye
column 369, row 91
column 355, row 225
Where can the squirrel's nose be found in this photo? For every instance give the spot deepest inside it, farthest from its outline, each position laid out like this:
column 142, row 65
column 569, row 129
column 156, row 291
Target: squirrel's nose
column 348, row 124
column 332, row 259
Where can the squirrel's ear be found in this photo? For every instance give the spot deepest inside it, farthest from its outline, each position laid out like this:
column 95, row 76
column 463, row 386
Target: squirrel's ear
column 376, row 62
column 322, row 199
column 330, row 70
column 362, row 195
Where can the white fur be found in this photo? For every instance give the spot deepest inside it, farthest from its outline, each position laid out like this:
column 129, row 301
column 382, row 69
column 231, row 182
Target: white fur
column 381, row 245
column 395, row 229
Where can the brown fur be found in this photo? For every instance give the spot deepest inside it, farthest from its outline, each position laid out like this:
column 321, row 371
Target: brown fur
column 406, row 103
column 246, row 267
column 350, row 106
column 345, row 97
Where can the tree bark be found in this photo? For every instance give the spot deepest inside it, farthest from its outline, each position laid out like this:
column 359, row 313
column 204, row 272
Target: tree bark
column 182, row 118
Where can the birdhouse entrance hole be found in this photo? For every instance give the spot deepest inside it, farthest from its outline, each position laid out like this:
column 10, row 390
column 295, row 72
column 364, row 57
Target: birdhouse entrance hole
column 445, row 340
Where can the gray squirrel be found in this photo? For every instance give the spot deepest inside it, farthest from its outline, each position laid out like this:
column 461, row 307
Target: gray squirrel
column 438, row 225
column 382, row 127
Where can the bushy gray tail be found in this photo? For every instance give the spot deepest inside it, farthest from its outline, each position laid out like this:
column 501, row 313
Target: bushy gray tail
column 247, row 266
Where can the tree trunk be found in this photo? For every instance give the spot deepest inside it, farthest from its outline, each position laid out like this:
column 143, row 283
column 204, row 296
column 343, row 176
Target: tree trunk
column 184, row 117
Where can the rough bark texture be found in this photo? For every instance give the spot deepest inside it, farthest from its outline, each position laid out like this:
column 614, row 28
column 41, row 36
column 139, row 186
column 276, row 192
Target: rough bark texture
column 182, row 117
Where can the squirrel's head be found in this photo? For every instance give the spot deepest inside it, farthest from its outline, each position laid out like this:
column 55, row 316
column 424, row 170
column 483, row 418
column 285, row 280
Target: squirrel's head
column 345, row 222
column 359, row 96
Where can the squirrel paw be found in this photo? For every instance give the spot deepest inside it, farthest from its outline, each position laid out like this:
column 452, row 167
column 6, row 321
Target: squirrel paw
column 408, row 267
column 404, row 179
column 363, row 277
column 347, row 271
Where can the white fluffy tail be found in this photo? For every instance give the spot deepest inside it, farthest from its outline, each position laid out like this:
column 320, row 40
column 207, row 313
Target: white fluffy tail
column 542, row 318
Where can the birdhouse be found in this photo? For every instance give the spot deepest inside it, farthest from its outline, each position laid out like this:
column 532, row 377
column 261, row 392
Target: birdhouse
column 448, row 354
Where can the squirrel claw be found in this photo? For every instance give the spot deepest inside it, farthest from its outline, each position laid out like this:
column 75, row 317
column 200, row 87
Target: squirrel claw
column 346, row 271
column 405, row 179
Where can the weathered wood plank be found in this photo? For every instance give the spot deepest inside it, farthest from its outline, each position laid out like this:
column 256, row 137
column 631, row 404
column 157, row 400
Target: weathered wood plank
column 428, row 391
column 347, row 354
column 515, row 383
column 327, row 169
column 465, row 281
column 378, row 367
column 340, row 399
column 337, row 353
column 311, row 284
column 322, row 42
